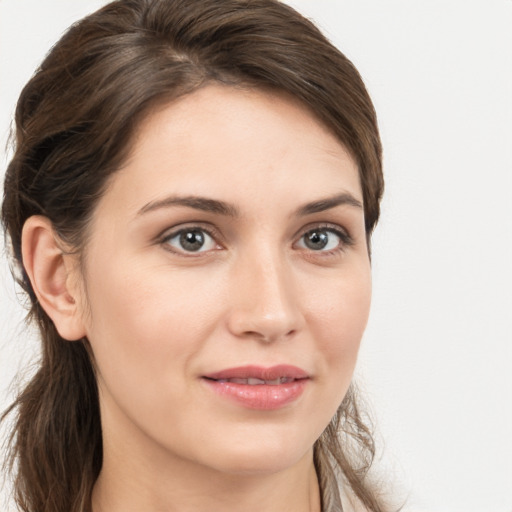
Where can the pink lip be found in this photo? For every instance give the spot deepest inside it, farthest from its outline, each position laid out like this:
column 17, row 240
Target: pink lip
column 262, row 396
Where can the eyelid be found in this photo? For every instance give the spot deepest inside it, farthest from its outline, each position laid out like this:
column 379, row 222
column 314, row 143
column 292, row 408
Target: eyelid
column 172, row 232
column 346, row 239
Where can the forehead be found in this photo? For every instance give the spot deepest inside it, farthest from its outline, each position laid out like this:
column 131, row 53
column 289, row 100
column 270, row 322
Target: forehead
column 225, row 142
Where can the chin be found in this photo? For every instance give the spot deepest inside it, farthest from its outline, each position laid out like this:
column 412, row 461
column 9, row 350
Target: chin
column 261, row 456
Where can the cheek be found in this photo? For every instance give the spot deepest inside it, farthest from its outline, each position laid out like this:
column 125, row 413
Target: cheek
column 338, row 317
column 147, row 322
column 146, row 329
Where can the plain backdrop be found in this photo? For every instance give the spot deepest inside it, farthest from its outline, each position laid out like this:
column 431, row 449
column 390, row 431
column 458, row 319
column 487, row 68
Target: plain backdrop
column 436, row 360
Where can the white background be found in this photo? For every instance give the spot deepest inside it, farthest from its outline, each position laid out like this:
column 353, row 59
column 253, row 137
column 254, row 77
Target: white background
column 436, row 361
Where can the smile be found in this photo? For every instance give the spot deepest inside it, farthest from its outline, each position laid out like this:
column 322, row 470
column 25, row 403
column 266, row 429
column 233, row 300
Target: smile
column 255, row 382
column 259, row 388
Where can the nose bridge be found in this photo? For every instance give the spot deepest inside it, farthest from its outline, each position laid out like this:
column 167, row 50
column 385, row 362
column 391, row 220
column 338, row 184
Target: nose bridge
column 264, row 302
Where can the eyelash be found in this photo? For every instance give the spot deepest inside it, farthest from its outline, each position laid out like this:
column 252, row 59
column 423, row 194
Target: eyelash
column 345, row 240
column 167, row 237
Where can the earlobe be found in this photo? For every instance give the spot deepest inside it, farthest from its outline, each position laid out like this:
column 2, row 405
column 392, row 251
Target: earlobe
column 52, row 274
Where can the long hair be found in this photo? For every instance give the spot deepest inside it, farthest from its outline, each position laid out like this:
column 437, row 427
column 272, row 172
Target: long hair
column 74, row 122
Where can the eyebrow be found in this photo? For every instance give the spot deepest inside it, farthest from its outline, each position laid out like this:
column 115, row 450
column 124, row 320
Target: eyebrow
column 321, row 205
column 198, row 203
column 220, row 207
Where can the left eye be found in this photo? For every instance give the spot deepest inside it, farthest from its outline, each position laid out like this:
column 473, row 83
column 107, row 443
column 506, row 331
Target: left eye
column 191, row 240
column 320, row 239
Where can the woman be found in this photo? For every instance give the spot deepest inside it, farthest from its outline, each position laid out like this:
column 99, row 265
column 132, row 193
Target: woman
column 190, row 205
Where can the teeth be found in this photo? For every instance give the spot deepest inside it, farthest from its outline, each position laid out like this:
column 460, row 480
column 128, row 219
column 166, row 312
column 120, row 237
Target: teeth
column 252, row 381
column 238, row 381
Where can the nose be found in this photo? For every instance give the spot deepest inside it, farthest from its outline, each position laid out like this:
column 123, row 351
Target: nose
column 264, row 303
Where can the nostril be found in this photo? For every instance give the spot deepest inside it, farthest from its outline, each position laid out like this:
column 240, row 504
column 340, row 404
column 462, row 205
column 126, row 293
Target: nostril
column 269, row 337
column 258, row 335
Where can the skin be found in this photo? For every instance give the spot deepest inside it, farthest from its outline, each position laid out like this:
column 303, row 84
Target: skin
column 159, row 318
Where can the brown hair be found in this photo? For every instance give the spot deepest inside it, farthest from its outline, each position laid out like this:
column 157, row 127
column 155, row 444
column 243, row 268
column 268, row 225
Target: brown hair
column 74, row 121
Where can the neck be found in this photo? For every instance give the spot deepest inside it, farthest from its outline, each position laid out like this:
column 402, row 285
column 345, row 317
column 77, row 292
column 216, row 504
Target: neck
column 178, row 488
column 141, row 476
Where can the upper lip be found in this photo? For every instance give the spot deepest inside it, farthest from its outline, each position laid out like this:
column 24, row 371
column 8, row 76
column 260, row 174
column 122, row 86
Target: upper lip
column 259, row 372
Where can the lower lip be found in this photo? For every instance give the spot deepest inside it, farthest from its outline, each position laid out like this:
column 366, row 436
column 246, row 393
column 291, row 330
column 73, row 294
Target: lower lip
column 259, row 396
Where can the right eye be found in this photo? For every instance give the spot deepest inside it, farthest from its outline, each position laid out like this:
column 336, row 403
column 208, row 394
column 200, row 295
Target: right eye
column 190, row 240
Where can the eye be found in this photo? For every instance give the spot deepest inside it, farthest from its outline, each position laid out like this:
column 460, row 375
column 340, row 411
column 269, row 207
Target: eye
column 190, row 240
column 323, row 239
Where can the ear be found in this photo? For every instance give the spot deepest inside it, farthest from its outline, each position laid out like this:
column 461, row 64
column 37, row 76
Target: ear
column 53, row 275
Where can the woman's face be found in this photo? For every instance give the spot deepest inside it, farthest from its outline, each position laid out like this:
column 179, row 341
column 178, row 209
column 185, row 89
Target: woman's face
column 226, row 284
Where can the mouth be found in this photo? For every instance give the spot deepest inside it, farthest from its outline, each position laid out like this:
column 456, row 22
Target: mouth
column 252, row 381
column 260, row 388
column 253, row 375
